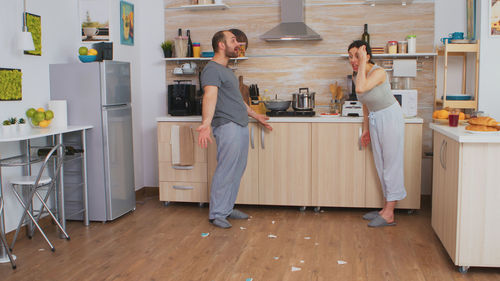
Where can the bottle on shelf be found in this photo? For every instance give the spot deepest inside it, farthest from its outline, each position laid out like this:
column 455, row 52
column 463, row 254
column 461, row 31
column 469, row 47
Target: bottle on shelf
column 68, row 150
column 366, row 36
column 189, row 45
column 180, row 45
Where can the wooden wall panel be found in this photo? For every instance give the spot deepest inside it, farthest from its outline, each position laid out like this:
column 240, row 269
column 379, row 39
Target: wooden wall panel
column 283, row 67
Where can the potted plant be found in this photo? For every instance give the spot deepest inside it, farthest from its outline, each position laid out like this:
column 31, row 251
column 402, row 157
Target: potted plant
column 6, row 126
column 167, row 48
column 21, row 124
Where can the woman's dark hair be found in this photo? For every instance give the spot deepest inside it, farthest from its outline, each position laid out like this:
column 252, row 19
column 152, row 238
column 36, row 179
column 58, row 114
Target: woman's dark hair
column 240, row 36
column 358, row 44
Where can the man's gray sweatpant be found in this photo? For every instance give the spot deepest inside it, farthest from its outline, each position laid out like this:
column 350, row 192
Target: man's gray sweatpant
column 232, row 154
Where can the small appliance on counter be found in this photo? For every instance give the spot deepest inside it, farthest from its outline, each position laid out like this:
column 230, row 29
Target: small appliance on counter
column 352, row 108
column 408, row 101
column 303, row 101
column 351, row 89
column 182, row 99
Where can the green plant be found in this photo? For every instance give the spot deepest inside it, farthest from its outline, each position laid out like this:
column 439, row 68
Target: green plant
column 22, row 121
column 34, row 24
column 167, row 45
column 6, row 122
column 89, row 23
column 13, row 120
column 10, row 84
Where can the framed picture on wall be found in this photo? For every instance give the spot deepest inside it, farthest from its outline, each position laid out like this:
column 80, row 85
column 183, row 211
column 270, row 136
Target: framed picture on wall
column 94, row 20
column 34, row 24
column 495, row 18
column 11, row 83
column 126, row 23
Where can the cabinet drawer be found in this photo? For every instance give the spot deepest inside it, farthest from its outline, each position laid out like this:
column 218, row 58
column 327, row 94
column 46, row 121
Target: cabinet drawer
column 197, row 174
column 183, row 191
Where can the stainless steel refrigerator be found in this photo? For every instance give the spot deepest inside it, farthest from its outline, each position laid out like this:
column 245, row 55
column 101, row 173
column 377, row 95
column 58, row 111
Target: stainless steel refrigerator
column 98, row 94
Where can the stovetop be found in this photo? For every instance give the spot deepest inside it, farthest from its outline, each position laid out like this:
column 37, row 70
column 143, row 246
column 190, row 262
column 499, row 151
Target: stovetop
column 277, row 113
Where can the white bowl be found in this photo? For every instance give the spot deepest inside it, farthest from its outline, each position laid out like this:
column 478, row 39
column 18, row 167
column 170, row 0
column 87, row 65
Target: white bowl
column 188, row 70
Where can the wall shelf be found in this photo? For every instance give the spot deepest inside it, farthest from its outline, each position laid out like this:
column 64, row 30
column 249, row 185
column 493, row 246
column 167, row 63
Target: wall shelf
column 416, row 55
column 200, row 59
column 205, row 7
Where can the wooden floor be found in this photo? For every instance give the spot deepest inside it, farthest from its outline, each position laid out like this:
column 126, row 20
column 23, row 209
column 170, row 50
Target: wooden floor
column 165, row 243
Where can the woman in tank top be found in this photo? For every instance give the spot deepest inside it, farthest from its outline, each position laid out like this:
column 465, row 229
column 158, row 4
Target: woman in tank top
column 383, row 127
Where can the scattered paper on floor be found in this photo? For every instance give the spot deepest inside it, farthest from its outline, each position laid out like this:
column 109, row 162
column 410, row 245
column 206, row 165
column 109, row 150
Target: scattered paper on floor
column 307, row 237
column 205, row 234
column 249, row 279
column 341, row 262
column 242, row 228
column 272, row 236
column 302, row 261
column 322, row 211
column 316, row 244
column 273, row 222
column 276, row 258
column 296, row 268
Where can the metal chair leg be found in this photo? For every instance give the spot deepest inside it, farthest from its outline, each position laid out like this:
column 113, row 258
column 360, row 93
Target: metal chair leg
column 4, row 242
column 34, row 221
column 52, row 215
column 22, row 218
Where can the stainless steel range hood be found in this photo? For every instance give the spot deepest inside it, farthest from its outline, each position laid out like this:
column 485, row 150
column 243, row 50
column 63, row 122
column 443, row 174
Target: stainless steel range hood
column 292, row 26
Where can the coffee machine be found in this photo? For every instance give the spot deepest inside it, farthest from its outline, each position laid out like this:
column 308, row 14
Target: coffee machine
column 183, row 99
column 352, row 107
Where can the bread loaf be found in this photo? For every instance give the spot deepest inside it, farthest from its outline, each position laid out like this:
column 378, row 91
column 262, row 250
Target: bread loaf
column 481, row 128
column 483, row 121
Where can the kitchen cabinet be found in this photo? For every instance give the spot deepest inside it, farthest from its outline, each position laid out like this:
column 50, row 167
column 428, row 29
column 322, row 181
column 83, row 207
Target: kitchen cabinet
column 285, row 165
column 295, row 164
column 278, row 168
column 465, row 197
column 344, row 173
column 176, row 183
column 338, row 165
column 412, row 172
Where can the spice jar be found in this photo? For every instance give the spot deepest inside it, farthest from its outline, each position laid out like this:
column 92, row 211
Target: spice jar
column 196, row 50
column 392, row 47
column 402, row 47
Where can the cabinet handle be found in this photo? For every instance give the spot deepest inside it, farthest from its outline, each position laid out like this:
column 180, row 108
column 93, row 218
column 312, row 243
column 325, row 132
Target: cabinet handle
column 441, row 160
column 182, row 187
column 182, row 167
column 262, row 138
column 251, row 137
column 359, row 139
column 445, row 150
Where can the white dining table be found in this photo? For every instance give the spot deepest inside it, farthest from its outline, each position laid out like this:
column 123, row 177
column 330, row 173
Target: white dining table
column 25, row 160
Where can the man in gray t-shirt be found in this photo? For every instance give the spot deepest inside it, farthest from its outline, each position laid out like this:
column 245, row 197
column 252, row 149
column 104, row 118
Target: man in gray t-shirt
column 225, row 111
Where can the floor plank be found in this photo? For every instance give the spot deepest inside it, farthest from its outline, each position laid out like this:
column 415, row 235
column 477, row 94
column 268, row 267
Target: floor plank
column 165, row 243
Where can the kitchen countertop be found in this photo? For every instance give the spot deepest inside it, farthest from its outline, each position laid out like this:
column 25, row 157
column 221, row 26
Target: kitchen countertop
column 318, row 119
column 462, row 136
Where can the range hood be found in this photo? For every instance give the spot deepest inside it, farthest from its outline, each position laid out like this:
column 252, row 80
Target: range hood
column 292, row 26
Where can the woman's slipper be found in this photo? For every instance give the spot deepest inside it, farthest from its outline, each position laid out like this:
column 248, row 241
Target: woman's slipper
column 371, row 215
column 380, row 221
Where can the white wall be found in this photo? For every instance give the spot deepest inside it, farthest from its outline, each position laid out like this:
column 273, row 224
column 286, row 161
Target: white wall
column 60, row 42
column 489, row 70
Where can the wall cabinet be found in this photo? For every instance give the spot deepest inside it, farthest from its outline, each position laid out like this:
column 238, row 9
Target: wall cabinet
column 465, row 197
column 295, row 164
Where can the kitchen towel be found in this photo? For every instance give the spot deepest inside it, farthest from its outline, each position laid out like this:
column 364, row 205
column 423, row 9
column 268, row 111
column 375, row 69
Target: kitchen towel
column 59, row 107
column 182, row 143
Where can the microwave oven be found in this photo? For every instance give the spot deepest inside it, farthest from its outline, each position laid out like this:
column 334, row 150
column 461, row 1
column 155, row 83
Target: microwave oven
column 408, row 101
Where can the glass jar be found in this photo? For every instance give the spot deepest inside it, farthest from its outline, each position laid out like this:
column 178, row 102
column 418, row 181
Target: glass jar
column 392, row 47
column 412, row 44
column 402, row 47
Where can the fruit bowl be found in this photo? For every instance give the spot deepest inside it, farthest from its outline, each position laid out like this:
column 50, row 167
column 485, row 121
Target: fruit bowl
column 87, row 58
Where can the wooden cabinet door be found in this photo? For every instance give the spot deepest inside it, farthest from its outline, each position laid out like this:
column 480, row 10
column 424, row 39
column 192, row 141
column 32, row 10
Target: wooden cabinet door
column 412, row 172
column 338, row 165
column 285, row 165
column 445, row 191
column 249, row 186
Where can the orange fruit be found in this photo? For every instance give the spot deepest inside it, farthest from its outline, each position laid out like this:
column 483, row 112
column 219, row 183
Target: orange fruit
column 461, row 116
column 443, row 114
column 435, row 114
column 41, row 109
column 43, row 124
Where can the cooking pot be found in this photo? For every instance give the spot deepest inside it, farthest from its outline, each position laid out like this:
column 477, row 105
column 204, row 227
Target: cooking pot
column 276, row 104
column 303, row 100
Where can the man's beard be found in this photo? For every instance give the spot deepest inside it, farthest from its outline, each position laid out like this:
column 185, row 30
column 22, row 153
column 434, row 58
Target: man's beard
column 231, row 53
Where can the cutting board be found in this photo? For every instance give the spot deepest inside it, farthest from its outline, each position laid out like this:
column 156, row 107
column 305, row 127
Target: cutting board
column 245, row 91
